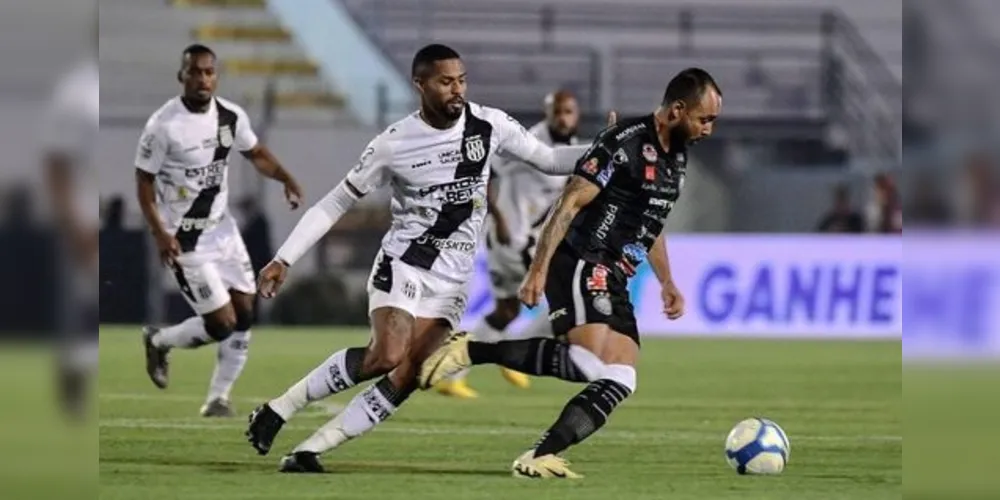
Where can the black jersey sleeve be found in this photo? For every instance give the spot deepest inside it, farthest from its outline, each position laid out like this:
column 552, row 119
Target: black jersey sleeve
column 596, row 164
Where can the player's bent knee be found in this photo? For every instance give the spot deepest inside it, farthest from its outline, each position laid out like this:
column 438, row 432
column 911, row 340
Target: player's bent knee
column 220, row 330
column 507, row 311
column 244, row 320
column 623, row 374
column 220, row 324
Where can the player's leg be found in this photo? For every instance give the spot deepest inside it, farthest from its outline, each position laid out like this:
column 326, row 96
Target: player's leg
column 394, row 292
column 346, row 368
column 591, row 408
column 373, row 405
column 204, row 290
column 237, row 275
column 506, row 268
column 568, row 282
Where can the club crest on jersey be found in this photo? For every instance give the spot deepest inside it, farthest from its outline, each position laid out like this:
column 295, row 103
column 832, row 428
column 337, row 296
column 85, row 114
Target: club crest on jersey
column 620, row 158
column 226, row 136
column 475, row 150
column 649, row 153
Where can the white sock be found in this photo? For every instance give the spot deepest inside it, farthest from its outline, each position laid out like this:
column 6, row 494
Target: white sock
column 483, row 332
column 229, row 364
column 539, row 326
column 187, row 334
column 330, row 377
column 368, row 409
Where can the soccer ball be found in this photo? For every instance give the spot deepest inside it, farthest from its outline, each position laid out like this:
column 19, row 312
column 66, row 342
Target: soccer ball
column 757, row 446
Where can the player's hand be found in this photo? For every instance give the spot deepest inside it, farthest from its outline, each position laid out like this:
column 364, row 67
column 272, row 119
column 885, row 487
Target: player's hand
column 169, row 248
column 612, row 117
column 673, row 301
column 293, row 193
column 271, row 278
column 532, row 288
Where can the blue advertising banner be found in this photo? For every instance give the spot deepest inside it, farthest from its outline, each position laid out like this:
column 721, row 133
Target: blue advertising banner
column 779, row 286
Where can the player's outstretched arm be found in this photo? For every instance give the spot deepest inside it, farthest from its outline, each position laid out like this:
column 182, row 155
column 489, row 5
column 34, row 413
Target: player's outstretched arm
column 268, row 165
column 579, row 193
column 314, row 224
column 558, row 160
column 371, row 172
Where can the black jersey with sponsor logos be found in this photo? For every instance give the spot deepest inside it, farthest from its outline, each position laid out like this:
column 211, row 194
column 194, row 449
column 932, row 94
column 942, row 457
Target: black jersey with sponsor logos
column 639, row 181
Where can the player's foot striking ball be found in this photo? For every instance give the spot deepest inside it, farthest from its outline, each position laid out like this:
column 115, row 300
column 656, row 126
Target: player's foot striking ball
column 609, row 219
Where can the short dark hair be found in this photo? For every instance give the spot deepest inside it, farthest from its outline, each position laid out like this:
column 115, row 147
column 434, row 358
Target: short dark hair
column 427, row 56
column 195, row 49
column 689, row 85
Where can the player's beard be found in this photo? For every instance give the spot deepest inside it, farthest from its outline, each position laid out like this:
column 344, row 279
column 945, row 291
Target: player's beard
column 452, row 110
column 680, row 137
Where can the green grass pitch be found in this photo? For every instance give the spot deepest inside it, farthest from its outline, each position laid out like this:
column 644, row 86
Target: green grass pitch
column 839, row 402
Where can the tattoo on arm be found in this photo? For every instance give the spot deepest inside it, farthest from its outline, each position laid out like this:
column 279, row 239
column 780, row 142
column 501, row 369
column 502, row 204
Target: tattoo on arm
column 578, row 194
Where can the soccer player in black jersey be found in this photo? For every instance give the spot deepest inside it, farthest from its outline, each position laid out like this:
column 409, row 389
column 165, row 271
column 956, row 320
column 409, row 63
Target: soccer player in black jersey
column 608, row 220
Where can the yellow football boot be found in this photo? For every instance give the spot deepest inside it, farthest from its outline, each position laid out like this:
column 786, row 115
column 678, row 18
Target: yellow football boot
column 544, row 467
column 456, row 388
column 515, row 378
column 450, row 359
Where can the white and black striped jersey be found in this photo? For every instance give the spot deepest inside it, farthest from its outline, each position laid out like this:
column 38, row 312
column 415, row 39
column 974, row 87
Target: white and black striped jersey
column 525, row 194
column 189, row 153
column 438, row 180
column 70, row 128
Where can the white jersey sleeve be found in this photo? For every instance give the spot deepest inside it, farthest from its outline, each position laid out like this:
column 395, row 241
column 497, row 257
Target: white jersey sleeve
column 152, row 148
column 246, row 139
column 374, row 168
column 516, row 141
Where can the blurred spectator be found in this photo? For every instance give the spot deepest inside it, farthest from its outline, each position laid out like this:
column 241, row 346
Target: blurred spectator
column 927, row 204
column 980, row 201
column 842, row 218
column 114, row 214
column 884, row 213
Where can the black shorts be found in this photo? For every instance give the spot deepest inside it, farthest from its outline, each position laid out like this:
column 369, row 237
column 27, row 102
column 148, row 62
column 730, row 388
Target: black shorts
column 581, row 292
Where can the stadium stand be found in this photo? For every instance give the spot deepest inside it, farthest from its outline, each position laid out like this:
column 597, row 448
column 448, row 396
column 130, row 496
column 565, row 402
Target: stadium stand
column 140, row 40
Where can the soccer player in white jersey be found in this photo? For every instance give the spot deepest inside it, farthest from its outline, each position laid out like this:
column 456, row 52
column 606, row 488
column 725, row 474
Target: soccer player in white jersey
column 523, row 199
column 71, row 125
column 182, row 182
column 436, row 161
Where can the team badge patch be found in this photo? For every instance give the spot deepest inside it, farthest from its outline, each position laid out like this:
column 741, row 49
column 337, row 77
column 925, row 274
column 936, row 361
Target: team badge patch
column 602, row 304
column 620, row 158
column 226, row 136
column 475, row 150
column 591, row 166
column 649, row 153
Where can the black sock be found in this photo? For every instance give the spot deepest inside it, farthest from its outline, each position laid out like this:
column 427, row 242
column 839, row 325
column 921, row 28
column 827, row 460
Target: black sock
column 395, row 395
column 582, row 416
column 354, row 359
column 542, row 357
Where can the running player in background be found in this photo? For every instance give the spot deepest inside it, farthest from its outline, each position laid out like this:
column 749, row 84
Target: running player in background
column 607, row 222
column 436, row 161
column 182, row 183
column 523, row 198
column 70, row 135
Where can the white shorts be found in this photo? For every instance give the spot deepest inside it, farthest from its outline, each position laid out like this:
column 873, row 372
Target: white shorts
column 219, row 264
column 507, row 265
column 395, row 284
